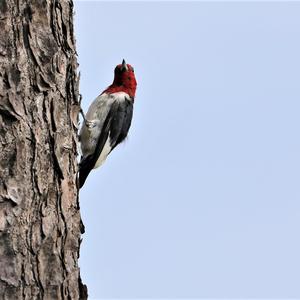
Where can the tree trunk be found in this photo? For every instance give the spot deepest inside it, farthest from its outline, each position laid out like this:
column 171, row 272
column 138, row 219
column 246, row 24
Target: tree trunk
column 40, row 222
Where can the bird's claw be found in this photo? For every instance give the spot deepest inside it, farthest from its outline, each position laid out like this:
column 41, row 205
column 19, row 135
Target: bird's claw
column 90, row 124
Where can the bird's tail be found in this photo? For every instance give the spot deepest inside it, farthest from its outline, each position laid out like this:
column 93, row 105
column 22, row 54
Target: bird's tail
column 85, row 167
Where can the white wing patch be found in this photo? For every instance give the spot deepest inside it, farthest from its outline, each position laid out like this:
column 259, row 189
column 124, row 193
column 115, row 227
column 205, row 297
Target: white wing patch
column 120, row 96
column 104, row 153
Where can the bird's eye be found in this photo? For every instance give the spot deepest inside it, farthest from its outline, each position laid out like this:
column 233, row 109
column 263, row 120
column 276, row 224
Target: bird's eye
column 132, row 69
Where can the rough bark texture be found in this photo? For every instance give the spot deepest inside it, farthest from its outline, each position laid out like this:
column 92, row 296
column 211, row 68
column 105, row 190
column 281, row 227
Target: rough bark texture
column 40, row 223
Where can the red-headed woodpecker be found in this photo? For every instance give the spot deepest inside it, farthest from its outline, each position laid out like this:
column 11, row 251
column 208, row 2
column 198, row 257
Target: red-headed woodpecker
column 107, row 121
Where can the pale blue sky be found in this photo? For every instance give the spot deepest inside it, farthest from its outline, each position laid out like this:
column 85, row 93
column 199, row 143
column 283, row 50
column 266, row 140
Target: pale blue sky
column 202, row 200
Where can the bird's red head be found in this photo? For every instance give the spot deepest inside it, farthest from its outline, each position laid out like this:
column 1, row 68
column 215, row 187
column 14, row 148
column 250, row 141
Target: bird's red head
column 124, row 80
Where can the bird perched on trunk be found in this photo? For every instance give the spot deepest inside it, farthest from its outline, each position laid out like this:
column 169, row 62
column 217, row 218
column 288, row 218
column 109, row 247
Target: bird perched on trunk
column 107, row 121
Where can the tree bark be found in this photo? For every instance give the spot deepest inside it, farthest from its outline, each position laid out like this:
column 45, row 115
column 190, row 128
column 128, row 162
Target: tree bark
column 40, row 222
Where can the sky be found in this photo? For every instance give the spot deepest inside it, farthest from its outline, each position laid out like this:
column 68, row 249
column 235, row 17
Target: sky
column 202, row 200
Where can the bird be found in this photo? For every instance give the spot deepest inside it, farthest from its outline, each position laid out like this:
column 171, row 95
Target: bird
column 107, row 122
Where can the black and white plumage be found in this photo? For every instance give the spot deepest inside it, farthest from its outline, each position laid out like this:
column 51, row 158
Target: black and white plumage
column 106, row 124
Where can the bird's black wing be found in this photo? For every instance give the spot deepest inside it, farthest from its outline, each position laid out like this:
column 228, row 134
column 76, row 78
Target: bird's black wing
column 121, row 122
column 88, row 163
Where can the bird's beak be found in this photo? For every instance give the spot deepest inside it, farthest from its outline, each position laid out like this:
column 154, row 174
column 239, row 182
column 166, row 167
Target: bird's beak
column 124, row 65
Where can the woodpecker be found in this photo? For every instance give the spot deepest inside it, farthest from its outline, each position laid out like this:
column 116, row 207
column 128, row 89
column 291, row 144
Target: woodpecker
column 107, row 121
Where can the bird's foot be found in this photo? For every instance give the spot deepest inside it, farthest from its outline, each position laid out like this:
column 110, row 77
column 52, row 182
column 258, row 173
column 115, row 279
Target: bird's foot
column 90, row 124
